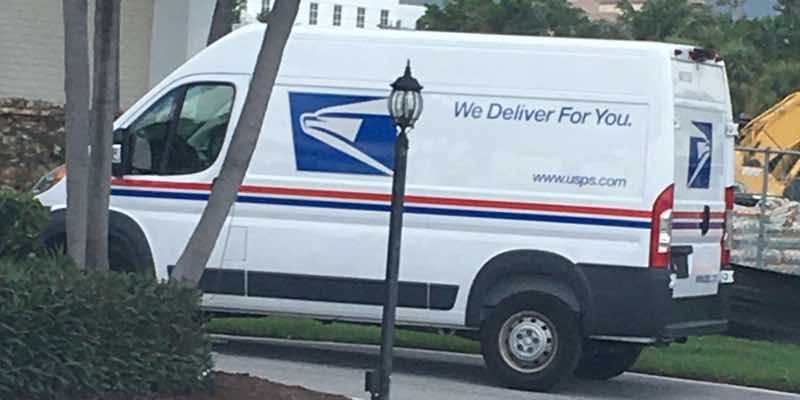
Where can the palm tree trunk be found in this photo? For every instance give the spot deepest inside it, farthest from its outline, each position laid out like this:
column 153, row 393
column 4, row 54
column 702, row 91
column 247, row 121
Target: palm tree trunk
column 104, row 95
column 192, row 262
column 222, row 21
column 76, row 110
column 116, row 27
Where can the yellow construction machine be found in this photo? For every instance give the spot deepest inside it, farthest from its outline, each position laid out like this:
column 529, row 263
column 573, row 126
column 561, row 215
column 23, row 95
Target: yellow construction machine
column 777, row 129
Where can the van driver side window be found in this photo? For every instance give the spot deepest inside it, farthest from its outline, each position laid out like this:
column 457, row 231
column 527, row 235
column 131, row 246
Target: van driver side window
column 183, row 132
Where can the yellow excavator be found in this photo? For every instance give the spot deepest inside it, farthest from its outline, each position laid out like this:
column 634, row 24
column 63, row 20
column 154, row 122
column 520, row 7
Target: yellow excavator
column 777, row 129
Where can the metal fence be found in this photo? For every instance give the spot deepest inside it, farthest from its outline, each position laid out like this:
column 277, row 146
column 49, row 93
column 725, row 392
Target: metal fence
column 766, row 235
column 766, row 248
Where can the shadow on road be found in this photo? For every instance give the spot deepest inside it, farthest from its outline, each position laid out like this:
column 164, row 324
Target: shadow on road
column 467, row 371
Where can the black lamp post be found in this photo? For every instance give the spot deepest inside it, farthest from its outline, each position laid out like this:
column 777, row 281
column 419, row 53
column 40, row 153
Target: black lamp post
column 405, row 106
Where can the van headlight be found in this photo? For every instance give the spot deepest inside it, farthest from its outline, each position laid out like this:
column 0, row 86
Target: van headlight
column 50, row 180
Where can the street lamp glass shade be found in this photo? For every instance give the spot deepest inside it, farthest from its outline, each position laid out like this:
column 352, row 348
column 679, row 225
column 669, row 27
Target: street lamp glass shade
column 405, row 102
column 405, row 107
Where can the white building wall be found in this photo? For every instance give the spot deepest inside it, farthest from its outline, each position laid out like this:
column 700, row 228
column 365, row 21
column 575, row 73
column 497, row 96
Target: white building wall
column 180, row 30
column 32, row 49
column 406, row 14
column 200, row 13
column 157, row 36
column 409, row 15
column 168, row 45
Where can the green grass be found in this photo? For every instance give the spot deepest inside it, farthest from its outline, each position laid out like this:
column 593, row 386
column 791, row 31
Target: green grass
column 714, row 358
column 729, row 360
column 305, row 329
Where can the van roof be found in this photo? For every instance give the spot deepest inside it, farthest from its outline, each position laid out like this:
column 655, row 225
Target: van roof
column 454, row 62
column 455, row 38
column 236, row 52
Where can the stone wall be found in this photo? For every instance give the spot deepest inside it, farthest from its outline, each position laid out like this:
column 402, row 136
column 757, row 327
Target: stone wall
column 782, row 250
column 31, row 141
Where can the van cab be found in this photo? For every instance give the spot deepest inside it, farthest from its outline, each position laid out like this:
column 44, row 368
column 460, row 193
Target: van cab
column 567, row 202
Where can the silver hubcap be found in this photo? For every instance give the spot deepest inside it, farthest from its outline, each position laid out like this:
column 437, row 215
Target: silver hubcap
column 528, row 342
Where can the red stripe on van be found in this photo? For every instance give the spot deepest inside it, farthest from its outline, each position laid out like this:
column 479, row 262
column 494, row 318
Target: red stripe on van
column 617, row 212
column 160, row 185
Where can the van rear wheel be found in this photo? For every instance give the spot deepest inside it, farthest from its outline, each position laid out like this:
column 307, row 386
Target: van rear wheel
column 603, row 361
column 531, row 342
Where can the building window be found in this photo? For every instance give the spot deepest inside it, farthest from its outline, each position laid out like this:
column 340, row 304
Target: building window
column 264, row 7
column 384, row 18
column 360, row 17
column 337, row 15
column 313, row 10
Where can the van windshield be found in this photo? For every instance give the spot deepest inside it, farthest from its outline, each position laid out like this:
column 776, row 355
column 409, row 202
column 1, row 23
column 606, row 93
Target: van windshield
column 184, row 131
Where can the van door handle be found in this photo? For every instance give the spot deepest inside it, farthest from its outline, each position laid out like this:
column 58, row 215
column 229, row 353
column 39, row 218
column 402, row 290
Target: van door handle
column 705, row 226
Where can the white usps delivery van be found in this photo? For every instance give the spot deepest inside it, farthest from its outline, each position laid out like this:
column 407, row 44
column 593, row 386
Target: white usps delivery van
column 567, row 199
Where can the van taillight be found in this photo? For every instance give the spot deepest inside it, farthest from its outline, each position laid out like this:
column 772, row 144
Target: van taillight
column 727, row 228
column 661, row 229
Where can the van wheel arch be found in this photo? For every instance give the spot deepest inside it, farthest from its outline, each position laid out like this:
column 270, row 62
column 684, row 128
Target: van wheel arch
column 516, row 272
column 128, row 247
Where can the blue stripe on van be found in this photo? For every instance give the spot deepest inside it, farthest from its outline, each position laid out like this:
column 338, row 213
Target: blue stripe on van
column 565, row 219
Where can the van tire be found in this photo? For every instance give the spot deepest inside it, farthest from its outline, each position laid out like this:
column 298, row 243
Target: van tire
column 606, row 361
column 127, row 255
column 128, row 250
column 547, row 337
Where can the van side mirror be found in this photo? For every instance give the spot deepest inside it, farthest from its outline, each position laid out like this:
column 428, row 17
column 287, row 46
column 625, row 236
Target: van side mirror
column 121, row 152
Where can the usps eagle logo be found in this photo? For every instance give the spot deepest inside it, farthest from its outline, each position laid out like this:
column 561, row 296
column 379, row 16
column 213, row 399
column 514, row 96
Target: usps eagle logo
column 342, row 133
column 700, row 146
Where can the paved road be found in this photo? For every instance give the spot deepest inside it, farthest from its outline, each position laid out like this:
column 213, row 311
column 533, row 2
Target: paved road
column 338, row 368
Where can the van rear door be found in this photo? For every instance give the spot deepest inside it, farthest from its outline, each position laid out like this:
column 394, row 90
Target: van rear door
column 702, row 118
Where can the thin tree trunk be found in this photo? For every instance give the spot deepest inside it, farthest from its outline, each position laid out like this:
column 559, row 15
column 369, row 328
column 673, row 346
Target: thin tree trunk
column 76, row 109
column 192, row 262
column 116, row 27
column 104, row 96
column 222, row 21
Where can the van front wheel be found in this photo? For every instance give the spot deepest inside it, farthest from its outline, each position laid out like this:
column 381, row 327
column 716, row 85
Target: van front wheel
column 531, row 342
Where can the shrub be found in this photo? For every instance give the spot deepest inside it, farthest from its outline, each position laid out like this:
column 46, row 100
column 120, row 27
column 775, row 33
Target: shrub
column 23, row 219
column 66, row 333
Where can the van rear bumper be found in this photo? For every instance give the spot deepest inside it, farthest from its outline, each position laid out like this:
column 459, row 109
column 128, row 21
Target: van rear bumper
column 637, row 303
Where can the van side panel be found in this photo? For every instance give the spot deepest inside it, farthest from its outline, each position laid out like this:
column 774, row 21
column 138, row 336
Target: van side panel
column 504, row 164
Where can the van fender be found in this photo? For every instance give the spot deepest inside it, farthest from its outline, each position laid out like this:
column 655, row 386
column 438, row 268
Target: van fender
column 520, row 271
column 123, row 232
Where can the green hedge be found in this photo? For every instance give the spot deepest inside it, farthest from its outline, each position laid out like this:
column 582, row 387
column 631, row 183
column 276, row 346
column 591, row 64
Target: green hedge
column 70, row 334
column 22, row 221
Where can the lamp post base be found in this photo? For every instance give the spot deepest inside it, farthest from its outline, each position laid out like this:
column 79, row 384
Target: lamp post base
column 373, row 384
